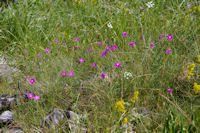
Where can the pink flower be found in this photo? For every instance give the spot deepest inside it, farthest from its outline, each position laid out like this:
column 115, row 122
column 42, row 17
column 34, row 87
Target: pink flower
column 168, row 50
column 100, row 43
column 170, row 90
column 152, row 45
column 103, row 76
column 90, row 50
column 32, row 80
column 39, row 55
column 142, row 37
column 76, row 47
column 161, row 36
column 104, row 53
column 117, row 64
column 141, row 8
column 108, row 48
column 94, row 65
column 25, row 51
column 49, row 42
column 76, row 39
column 114, row 47
column 71, row 74
column 47, row 50
column 30, row 96
column 169, row 37
column 56, row 41
column 81, row 60
column 64, row 73
column 36, row 98
column 125, row 34
column 64, row 44
column 132, row 43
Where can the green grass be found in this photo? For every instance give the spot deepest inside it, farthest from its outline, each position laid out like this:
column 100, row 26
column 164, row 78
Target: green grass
column 30, row 25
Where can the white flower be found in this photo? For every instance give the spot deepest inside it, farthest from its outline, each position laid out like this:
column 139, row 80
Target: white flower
column 150, row 4
column 109, row 25
column 127, row 75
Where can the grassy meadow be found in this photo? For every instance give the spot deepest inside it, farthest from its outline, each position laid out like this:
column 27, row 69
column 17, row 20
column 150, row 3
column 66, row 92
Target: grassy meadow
column 107, row 60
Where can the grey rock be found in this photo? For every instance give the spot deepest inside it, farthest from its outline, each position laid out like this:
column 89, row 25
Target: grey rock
column 14, row 130
column 6, row 117
column 8, row 101
column 53, row 119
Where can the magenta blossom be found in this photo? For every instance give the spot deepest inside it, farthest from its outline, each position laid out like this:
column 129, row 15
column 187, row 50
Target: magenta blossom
column 117, row 64
column 94, row 65
column 90, row 50
column 142, row 37
column 125, row 34
column 30, row 96
column 56, row 41
column 76, row 47
column 114, row 47
column 169, row 37
column 81, row 60
column 170, row 90
column 36, row 98
column 168, row 50
column 76, row 39
column 152, row 45
column 49, row 42
column 103, row 75
column 32, row 80
column 64, row 73
column 39, row 55
column 71, row 74
column 47, row 50
column 108, row 48
column 64, row 43
column 104, row 53
column 161, row 36
column 100, row 43
column 25, row 51
column 132, row 43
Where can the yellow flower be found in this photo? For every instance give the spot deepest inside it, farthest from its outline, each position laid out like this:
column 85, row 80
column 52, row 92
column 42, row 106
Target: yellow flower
column 120, row 106
column 125, row 121
column 107, row 129
column 189, row 77
column 198, row 8
column 135, row 97
column 194, row 8
column 198, row 58
column 196, row 87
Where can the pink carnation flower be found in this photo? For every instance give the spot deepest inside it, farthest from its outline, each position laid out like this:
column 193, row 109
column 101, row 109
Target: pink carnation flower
column 64, row 73
column 132, row 43
column 47, row 50
column 71, row 74
column 30, row 96
column 125, row 34
column 32, row 80
column 36, row 98
column 81, row 60
column 117, row 64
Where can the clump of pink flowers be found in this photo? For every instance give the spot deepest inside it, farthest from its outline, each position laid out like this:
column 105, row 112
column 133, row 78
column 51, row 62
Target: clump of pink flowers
column 31, row 96
column 168, row 50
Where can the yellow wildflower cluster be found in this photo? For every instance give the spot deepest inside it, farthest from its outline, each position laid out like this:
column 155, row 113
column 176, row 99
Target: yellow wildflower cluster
column 196, row 87
column 120, row 106
column 135, row 97
column 125, row 120
column 198, row 58
column 190, row 69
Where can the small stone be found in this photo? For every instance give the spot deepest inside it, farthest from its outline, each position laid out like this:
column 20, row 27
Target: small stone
column 53, row 119
column 6, row 117
column 14, row 130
